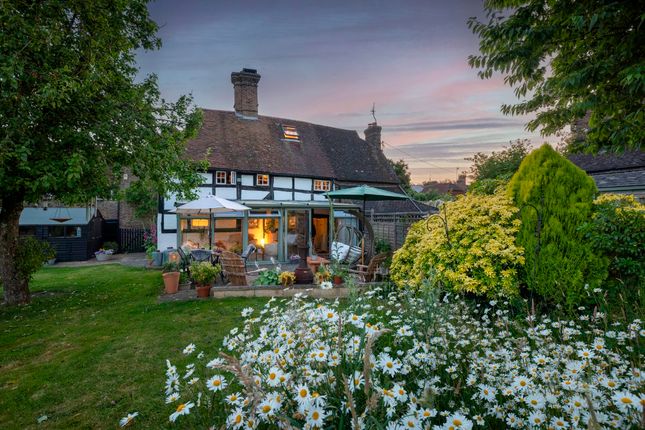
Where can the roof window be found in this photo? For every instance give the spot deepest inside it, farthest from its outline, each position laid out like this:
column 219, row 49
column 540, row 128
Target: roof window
column 290, row 133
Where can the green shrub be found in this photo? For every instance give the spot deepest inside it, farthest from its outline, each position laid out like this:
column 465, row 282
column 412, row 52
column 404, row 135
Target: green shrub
column 170, row 267
column 617, row 231
column 204, row 273
column 111, row 245
column 268, row 277
column 559, row 261
column 31, row 255
column 477, row 254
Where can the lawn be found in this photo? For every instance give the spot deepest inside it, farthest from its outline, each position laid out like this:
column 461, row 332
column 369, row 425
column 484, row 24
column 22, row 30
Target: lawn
column 92, row 346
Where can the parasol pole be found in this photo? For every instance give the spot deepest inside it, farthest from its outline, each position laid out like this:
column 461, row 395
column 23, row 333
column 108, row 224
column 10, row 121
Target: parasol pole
column 363, row 237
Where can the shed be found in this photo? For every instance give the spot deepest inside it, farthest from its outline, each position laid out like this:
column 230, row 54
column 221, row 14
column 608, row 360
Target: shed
column 75, row 239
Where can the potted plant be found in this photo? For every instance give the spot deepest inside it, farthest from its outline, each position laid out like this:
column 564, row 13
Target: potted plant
column 170, row 273
column 184, row 281
column 103, row 254
column 322, row 274
column 338, row 274
column 49, row 253
column 113, row 246
column 287, row 278
column 204, row 274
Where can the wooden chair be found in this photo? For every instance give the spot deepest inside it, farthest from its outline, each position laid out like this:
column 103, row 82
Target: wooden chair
column 365, row 273
column 233, row 268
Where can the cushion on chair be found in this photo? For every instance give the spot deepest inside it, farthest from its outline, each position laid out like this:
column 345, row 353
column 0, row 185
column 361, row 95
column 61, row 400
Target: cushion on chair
column 339, row 251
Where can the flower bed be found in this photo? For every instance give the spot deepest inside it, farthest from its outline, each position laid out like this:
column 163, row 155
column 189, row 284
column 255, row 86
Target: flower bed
column 410, row 362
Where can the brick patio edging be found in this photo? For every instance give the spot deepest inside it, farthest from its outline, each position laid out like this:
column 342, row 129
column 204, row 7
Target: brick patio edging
column 272, row 291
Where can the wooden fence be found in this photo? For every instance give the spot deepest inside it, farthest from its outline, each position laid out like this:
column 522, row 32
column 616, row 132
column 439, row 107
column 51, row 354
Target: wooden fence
column 131, row 239
column 393, row 227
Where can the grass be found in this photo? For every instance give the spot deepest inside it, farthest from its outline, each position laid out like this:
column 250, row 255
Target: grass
column 92, row 346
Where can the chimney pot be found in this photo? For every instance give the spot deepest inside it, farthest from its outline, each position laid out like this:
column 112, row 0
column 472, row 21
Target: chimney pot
column 245, row 85
column 373, row 134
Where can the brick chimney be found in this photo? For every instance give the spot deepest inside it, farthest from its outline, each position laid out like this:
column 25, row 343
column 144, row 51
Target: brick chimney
column 245, row 84
column 373, row 135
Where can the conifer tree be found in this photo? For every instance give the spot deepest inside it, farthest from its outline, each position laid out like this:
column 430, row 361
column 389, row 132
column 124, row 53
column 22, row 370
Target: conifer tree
column 555, row 199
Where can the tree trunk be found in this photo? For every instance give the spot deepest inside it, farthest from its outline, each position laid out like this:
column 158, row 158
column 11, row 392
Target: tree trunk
column 16, row 289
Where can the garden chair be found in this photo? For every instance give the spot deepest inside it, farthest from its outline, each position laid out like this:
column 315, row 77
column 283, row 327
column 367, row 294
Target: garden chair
column 365, row 273
column 233, row 268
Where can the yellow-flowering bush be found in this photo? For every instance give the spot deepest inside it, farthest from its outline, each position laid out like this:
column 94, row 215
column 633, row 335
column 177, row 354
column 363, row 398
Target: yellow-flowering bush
column 477, row 254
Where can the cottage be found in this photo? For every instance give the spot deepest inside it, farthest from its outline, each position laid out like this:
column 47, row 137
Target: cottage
column 279, row 167
column 74, row 233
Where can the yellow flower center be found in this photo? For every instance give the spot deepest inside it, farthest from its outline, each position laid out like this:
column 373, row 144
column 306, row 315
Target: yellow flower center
column 626, row 400
column 611, row 384
column 181, row 407
column 217, row 383
column 534, row 402
column 523, row 383
column 315, row 415
column 238, row 419
column 266, row 408
column 389, row 364
column 303, row 393
column 272, row 376
column 457, row 422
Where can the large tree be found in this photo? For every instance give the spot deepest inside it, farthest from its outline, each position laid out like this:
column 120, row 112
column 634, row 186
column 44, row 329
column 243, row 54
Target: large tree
column 565, row 58
column 73, row 116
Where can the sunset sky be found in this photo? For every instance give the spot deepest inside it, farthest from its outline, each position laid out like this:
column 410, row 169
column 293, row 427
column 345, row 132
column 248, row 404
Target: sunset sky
column 327, row 61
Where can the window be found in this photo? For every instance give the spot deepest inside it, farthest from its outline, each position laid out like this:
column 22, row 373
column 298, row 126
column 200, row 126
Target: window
column 27, row 230
column 320, row 185
column 290, row 133
column 262, row 180
column 224, row 178
column 63, row 231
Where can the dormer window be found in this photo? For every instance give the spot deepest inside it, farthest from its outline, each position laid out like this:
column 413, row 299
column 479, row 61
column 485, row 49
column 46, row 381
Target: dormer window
column 321, row 185
column 290, row 133
column 224, row 178
column 262, row 180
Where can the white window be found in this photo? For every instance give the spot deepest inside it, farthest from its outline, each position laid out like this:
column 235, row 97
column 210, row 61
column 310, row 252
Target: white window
column 224, row 178
column 262, row 180
column 320, row 185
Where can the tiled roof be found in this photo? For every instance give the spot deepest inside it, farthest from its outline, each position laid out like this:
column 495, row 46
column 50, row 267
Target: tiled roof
column 626, row 179
column 604, row 162
column 258, row 146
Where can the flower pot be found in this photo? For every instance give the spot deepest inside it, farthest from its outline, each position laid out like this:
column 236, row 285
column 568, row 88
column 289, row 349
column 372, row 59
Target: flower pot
column 51, row 261
column 185, row 286
column 203, row 291
column 156, row 258
column 103, row 257
column 338, row 280
column 171, row 282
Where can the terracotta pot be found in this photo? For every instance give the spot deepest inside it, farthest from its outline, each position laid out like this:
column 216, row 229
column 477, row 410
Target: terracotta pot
column 338, row 280
column 171, row 282
column 203, row 291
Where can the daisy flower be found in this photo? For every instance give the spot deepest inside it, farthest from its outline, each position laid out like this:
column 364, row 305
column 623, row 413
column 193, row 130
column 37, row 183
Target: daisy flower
column 625, row 401
column 216, row 383
column 236, row 419
column 189, row 349
column 182, row 409
column 316, row 416
column 127, row 420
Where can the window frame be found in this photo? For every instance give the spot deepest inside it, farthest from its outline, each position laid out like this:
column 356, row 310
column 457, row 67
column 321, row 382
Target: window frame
column 77, row 229
column 319, row 185
column 229, row 177
column 262, row 184
column 290, row 133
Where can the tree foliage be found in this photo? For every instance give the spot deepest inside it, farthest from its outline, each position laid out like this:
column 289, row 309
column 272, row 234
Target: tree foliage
column 73, row 115
column 617, row 231
column 403, row 173
column 490, row 171
column 567, row 58
column 469, row 247
column 555, row 198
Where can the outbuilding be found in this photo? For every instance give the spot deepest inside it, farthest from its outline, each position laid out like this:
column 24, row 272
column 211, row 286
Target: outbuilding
column 75, row 233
